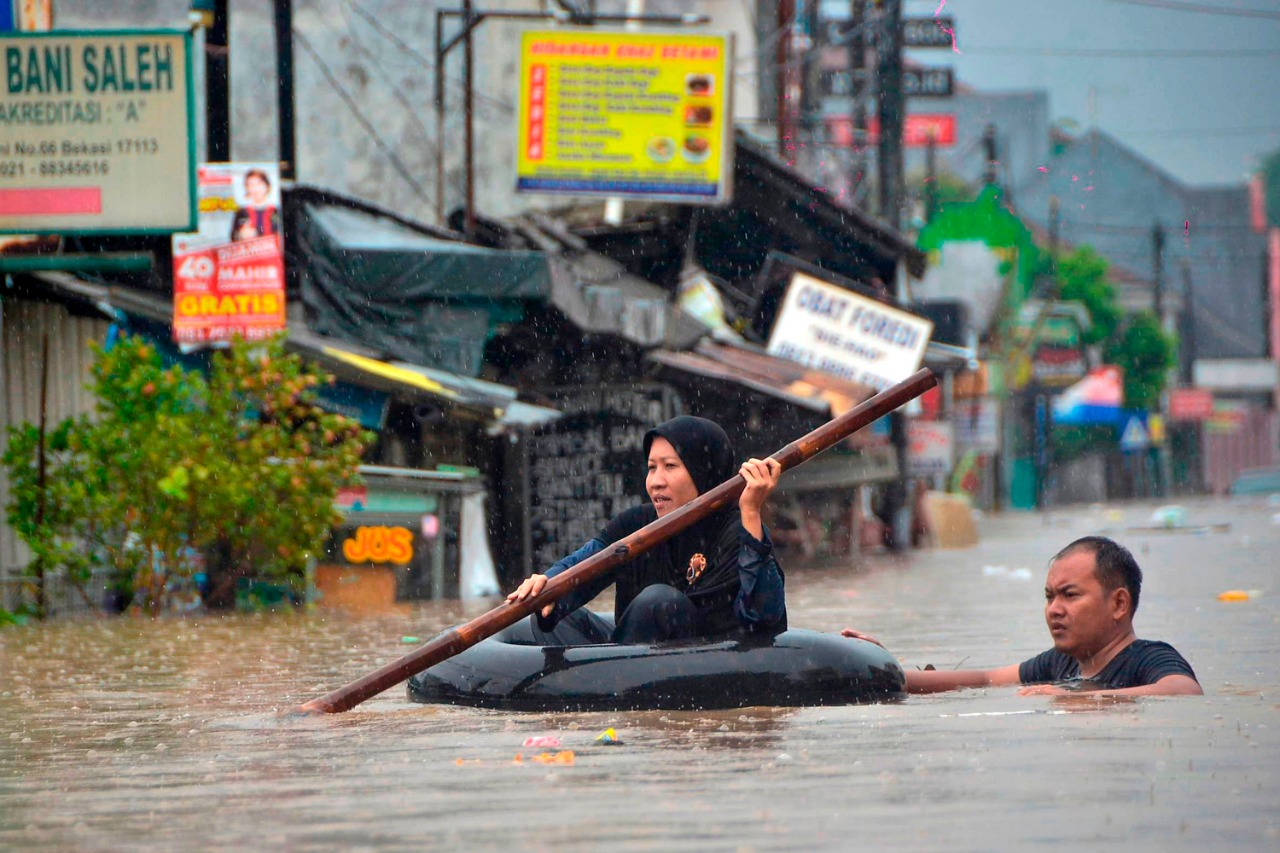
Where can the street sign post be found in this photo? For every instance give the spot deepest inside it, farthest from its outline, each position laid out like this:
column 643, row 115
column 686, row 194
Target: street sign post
column 928, row 82
column 928, row 32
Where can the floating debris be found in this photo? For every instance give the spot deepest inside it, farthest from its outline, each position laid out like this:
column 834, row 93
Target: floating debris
column 1169, row 516
column 608, row 737
column 543, row 741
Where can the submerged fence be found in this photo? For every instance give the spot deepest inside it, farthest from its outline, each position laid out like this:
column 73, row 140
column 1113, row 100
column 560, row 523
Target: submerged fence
column 62, row 596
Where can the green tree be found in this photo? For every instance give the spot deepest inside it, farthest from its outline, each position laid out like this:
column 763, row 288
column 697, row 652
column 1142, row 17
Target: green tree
column 1135, row 342
column 1146, row 353
column 275, row 448
column 173, row 465
column 1082, row 277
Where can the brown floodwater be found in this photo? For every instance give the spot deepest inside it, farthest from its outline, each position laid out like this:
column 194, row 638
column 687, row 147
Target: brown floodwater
column 131, row 735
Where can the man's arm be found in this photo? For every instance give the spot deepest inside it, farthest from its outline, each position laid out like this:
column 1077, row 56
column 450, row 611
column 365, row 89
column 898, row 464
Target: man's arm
column 1170, row 685
column 938, row 680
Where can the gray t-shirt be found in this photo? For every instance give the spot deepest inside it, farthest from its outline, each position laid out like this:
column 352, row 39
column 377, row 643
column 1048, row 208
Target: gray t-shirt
column 1140, row 663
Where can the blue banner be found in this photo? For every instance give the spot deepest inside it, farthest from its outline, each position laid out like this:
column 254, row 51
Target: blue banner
column 360, row 404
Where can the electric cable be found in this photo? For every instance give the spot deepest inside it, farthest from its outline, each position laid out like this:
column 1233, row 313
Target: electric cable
column 390, row 154
column 1201, row 8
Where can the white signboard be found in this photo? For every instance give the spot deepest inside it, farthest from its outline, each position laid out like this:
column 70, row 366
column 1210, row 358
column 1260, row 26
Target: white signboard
column 929, row 448
column 96, row 132
column 842, row 333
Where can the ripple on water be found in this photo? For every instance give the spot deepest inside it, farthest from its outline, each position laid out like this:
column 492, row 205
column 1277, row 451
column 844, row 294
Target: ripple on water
column 177, row 735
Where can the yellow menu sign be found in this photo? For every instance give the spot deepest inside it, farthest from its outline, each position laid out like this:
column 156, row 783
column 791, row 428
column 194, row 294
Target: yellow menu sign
column 643, row 115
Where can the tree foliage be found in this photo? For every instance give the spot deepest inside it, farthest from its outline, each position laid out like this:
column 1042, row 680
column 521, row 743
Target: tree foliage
column 1082, row 277
column 1145, row 353
column 174, row 465
column 1135, row 342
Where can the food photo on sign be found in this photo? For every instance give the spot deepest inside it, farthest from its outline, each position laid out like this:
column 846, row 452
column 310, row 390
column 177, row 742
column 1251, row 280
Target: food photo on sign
column 229, row 275
column 626, row 115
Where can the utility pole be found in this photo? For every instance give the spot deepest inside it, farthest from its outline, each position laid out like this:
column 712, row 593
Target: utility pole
column 1157, row 271
column 786, row 19
column 892, row 104
column 217, row 85
column 991, row 150
column 1188, row 337
column 811, row 65
column 468, row 108
column 858, row 79
column 931, row 177
column 1157, row 277
column 288, row 150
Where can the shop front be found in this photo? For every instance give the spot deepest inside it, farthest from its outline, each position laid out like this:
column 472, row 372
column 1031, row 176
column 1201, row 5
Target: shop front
column 407, row 535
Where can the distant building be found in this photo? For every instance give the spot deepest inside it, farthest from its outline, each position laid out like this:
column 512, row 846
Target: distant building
column 1112, row 198
column 1021, row 122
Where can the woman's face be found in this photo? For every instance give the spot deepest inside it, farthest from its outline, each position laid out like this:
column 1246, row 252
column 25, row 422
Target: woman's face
column 256, row 189
column 668, row 483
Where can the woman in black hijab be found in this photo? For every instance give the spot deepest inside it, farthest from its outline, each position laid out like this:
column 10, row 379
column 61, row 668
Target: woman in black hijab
column 717, row 578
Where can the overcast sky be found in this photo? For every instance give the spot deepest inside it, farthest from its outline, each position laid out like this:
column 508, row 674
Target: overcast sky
column 1197, row 116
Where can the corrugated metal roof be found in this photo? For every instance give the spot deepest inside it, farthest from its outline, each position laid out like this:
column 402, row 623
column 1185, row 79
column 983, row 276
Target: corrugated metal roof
column 758, row 371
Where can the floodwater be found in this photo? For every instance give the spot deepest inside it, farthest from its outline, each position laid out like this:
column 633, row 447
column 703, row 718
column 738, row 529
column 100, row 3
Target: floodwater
column 127, row 735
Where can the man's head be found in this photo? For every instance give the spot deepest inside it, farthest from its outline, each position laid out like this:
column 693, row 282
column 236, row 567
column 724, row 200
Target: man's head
column 1091, row 594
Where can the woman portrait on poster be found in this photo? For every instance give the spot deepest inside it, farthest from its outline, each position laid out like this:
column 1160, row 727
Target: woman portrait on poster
column 257, row 217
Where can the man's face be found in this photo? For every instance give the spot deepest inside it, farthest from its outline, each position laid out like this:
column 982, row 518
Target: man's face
column 1081, row 615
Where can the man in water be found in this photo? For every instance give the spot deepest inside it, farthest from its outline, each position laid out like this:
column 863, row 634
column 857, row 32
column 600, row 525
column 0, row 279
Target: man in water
column 1091, row 594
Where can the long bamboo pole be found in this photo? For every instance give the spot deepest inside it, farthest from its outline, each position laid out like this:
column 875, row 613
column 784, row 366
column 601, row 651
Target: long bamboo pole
column 455, row 640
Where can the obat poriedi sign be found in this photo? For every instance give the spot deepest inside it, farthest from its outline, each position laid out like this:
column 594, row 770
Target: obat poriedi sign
column 96, row 132
column 640, row 115
column 848, row 335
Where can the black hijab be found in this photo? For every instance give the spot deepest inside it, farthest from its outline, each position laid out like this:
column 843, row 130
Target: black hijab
column 707, row 454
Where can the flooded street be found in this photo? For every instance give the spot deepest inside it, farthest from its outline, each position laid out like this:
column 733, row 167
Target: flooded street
column 125, row 735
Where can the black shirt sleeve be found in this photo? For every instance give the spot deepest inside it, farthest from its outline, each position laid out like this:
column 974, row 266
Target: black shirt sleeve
column 1148, row 661
column 1141, row 663
column 1047, row 667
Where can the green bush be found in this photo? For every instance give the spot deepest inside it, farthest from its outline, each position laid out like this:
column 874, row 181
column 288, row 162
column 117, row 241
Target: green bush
column 236, row 470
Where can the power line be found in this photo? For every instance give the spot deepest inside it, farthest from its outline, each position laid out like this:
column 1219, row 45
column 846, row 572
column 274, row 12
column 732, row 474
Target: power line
column 1202, row 131
column 422, row 58
column 364, row 122
column 1122, row 53
column 1201, row 8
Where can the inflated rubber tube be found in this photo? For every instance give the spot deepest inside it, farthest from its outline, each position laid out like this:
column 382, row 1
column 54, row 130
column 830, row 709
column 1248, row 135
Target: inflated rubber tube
column 794, row 668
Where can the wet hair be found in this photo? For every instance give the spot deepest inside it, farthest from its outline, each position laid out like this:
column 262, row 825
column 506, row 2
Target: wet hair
column 1113, row 565
column 257, row 173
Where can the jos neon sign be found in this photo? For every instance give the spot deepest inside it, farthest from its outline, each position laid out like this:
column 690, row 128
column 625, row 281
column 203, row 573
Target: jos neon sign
column 379, row 545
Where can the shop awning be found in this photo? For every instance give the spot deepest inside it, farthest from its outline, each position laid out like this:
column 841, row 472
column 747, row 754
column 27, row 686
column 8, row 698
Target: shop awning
column 758, row 371
column 840, row 468
column 940, row 356
column 486, row 400
column 354, row 365
column 416, row 293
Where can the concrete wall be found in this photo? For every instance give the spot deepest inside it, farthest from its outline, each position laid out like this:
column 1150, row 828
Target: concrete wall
column 365, row 83
column 23, row 327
